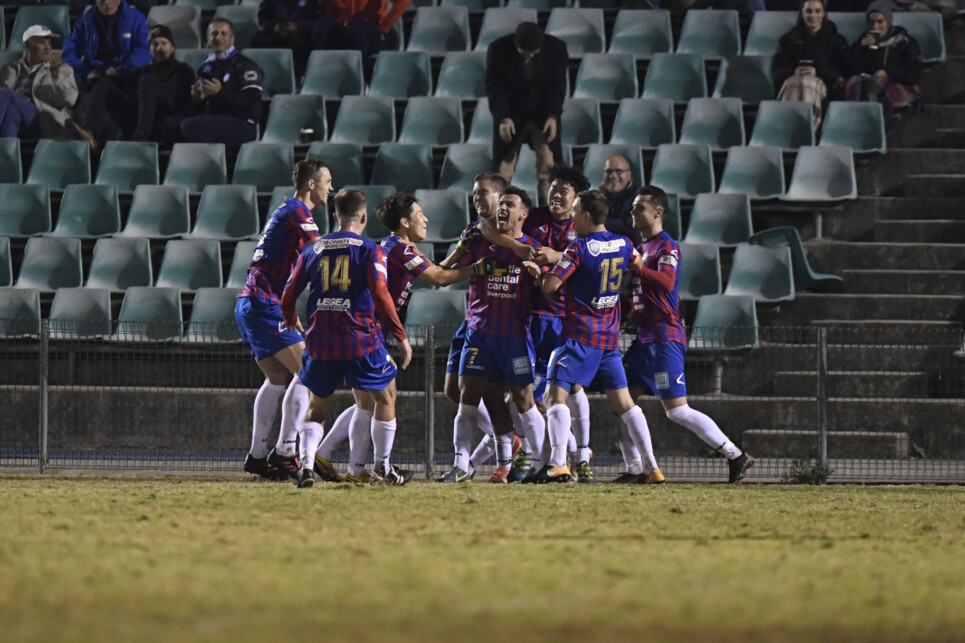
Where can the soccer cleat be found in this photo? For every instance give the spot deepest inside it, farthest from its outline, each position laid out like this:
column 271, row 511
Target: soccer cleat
column 550, row 473
column 456, row 474
column 395, row 476
column 739, row 466
column 288, row 465
column 500, row 476
column 325, row 470
column 585, row 473
column 306, row 478
column 517, row 445
column 626, row 478
column 260, row 467
column 654, row 477
column 362, row 478
column 522, row 464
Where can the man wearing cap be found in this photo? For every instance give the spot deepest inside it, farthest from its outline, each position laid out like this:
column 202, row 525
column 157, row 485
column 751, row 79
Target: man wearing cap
column 38, row 91
column 163, row 91
column 526, row 85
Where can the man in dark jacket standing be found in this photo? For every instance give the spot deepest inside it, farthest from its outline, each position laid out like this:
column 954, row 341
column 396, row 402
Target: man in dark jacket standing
column 619, row 190
column 526, row 85
column 227, row 96
column 163, row 91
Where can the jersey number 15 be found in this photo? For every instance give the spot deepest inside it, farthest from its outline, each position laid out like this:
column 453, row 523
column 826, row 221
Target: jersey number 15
column 611, row 275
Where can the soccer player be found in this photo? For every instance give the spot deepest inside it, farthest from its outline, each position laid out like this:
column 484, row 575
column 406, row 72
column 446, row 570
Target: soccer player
column 592, row 267
column 278, row 351
column 498, row 351
column 349, row 297
column 655, row 360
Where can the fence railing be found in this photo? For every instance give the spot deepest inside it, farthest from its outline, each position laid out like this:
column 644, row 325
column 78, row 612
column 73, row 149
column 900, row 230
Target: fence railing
column 838, row 403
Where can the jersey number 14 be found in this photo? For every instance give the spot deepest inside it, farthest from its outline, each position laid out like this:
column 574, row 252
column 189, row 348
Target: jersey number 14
column 339, row 277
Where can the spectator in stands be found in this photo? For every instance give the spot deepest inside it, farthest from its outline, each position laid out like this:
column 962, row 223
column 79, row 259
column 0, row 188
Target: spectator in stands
column 38, row 92
column 366, row 26
column 526, row 85
column 619, row 190
column 79, row 7
column 105, row 49
column 163, row 91
column 289, row 24
column 886, row 63
column 227, row 95
column 811, row 60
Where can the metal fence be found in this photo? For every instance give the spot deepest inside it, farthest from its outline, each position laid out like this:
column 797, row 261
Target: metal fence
column 842, row 404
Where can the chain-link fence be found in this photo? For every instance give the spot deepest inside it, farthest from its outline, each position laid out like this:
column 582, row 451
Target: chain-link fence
column 813, row 403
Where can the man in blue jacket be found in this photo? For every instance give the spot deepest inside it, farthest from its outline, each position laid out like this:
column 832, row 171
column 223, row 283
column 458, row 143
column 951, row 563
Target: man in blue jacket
column 107, row 45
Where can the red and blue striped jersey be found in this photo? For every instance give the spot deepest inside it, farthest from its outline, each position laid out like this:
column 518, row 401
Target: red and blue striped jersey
column 557, row 234
column 593, row 267
column 657, row 311
column 405, row 264
column 500, row 305
column 288, row 229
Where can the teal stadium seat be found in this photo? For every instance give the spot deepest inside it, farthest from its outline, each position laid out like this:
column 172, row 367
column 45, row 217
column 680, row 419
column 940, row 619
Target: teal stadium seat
column 183, row 20
column 243, row 19
column 196, row 165
column 463, row 75
column 717, row 122
column 927, row 28
column 805, row 278
column 128, row 164
column 606, row 77
column 581, row 29
column 711, row 33
column 860, row 126
column 58, row 164
column 50, row 263
column 481, row 127
column 448, row 213
column 80, row 313
column 725, row 323
column 437, row 30
column 685, row 170
column 765, row 31
column 158, row 212
column 596, row 156
column 699, row 273
column 240, row 262
column 11, row 167
column 678, row 77
column 647, row 122
column 191, row 57
column 720, row 219
column 120, row 263
column 401, row 75
column 374, row 196
column 279, row 68
column 227, row 213
column 432, row 121
column 762, row 273
column 407, row 166
column 501, row 21
column 24, row 210
column 850, row 24
column 54, row 17
column 365, row 120
column 582, row 124
column 784, row 124
column 445, row 308
column 189, row 264
column 823, row 174
column 344, row 161
column 745, row 77
column 213, row 317
column 6, row 264
column 291, row 114
column 642, row 33
column 19, row 313
column 264, row 165
column 334, row 74
column 539, row 5
column 756, row 171
column 672, row 221
column 88, row 212
column 462, row 163
column 150, row 315
column 203, row 5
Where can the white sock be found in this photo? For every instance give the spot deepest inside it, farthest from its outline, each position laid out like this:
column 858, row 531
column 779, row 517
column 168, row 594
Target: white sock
column 484, row 451
column 571, row 442
column 359, row 440
column 534, row 427
column 504, row 450
column 705, row 429
column 579, row 408
column 266, row 403
column 463, row 431
column 383, row 436
column 337, row 434
column 558, row 424
column 483, row 420
column 640, row 433
column 309, row 436
column 631, row 455
column 294, row 408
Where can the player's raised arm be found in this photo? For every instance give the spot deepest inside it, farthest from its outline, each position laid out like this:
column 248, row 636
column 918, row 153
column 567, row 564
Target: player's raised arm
column 289, row 298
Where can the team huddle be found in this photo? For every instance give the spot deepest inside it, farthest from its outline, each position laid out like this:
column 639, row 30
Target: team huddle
column 542, row 326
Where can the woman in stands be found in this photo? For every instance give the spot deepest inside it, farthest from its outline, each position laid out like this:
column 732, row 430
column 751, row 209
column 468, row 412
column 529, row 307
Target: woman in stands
column 886, row 63
column 811, row 60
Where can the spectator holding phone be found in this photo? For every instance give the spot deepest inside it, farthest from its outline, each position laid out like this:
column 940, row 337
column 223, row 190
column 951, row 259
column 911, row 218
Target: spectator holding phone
column 811, row 60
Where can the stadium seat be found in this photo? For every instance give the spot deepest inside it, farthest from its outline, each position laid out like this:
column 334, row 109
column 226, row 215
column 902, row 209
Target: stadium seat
column 191, row 57
column 805, row 278
column 119, row 263
column 596, row 156
column 448, row 213
column 183, row 20
column 244, row 22
column 80, row 313
column 344, row 161
column 196, row 165
column 823, row 174
column 581, row 124
column 762, row 273
column 291, row 114
column 437, row 30
column 279, row 68
column 720, row 219
column 678, row 77
column 539, row 5
column 474, row 6
column 158, row 212
column 401, row 75
column 481, row 127
column 126, row 165
column 699, row 273
column 365, row 120
column 24, row 210
column 3, row 39
column 711, row 33
column 462, row 163
column 927, row 28
column 264, row 165
column 57, row 164
column 850, row 24
column 672, row 221
column 19, row 313
column 54, row 17
column 755, row 171
column 203, row 5
column 88, row 212
column 606, row 77
column 717, row 122
column 334, row 74
column 374, row 196
column 11, row 167
column 463, row 75
column 784, row 124
column 685, row 170
column 581, row 29
column 725, row 323
column 642, row 33
column 439, row 307
column 745, row 77
column 150, row 315
column 7, row 56
column 50, row 263
column 227, row 213
column 501, row 21
column 406, row 166
column 432, row 121
column 190, row 264
column 765, row 31
column 240, row 262
column 6, row 264
column 860, row 126
column 647, row 122
column 213, row 317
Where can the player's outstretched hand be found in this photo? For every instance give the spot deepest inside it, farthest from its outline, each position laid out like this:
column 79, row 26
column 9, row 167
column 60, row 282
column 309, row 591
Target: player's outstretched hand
column 533, row 269
column 468, row 239
column 490, row 266
column 406, row 349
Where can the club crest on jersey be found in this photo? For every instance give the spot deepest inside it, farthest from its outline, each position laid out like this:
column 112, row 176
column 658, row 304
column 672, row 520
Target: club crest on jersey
column 596, row 247
column 662, row 380
column 521, row 365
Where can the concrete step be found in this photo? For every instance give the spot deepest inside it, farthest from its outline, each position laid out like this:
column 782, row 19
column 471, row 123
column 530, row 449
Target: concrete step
column 890, row 331
column 841, row 444
column 835, row 256
column 933, row 282
column 855, row 383
column 808, row 307
column 931, row 185
column 945, row 139
column 920, row 230
column 859, row 353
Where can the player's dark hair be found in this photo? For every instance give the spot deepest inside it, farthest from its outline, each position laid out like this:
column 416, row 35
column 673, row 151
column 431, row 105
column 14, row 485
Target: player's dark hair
column 571, row 175
column 349, row 204
column 657, row 197
column 521, row 193
column 223, row 21
column 305, row 170
column 594, row 203
column 397, row 206
column 493, row 177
